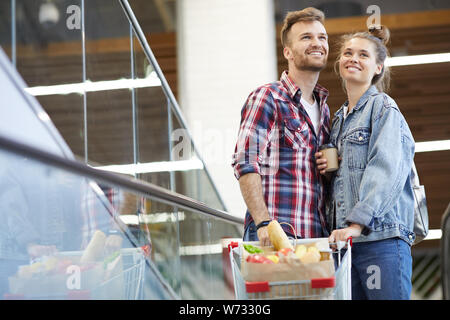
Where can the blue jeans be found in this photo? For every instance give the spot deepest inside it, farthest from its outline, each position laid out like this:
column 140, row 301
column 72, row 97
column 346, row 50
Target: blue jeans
column 381, row 270
column 251, row 234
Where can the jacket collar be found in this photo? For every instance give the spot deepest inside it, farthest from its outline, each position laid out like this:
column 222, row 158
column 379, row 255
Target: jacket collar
column 361, row 102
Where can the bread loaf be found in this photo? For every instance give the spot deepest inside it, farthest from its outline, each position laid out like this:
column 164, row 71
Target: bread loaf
column 278, row 237
column 94, row 250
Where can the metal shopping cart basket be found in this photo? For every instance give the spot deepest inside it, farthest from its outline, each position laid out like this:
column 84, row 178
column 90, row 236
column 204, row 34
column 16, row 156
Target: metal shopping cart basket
column 127, row 284
column 335, row 288
column 122, row 280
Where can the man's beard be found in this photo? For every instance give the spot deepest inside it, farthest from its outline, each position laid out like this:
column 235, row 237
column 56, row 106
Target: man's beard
column 302, row 64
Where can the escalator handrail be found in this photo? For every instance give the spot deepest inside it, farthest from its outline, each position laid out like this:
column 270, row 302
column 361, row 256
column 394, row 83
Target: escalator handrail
column 121, row 181
column 165, row 85
column 445, row 259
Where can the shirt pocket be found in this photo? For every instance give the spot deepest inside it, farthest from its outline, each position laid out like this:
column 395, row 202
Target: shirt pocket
column 358, row 147
column 296, row 133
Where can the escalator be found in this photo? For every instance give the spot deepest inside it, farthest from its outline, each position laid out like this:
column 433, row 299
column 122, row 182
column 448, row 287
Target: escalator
column 445, row 254
column 72, row 231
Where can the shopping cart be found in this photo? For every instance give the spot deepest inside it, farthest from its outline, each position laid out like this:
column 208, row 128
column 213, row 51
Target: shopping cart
column 127, row 284
column 334, row 288
column 123, row 282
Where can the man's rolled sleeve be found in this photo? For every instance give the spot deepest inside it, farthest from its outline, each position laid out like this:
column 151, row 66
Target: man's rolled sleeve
column 242, row 169
column 257, row 121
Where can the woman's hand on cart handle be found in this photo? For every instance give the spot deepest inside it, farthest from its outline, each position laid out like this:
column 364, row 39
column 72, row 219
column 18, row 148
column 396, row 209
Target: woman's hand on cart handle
column 352, row 231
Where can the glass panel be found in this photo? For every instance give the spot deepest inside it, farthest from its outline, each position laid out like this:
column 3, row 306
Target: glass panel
column 154, row 16
column 64, row 236
column 205, row 268
column 67, row 114
column 197, row 185
column 109, row 112
column 110, row 130
column 153, row 142
column 152, row 121
column 49, row 54
column 192, row 181
column 58, row 239
column 160, row 222
column 107, row 41
column 161, row 179
column 123, row 126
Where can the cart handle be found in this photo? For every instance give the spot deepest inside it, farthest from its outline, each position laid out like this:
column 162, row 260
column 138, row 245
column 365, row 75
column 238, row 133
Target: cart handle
column 232, row 245
column 260, row 286
column 341, row 244
column 264, row 286
column 323, row 282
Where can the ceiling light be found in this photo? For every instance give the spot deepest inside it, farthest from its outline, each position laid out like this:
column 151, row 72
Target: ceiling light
column 417, row 59
column 437, row 145
column 152, row 218
column 151, row 81
column 204, row 249
column 164, row 166
column 48, row 14
column 434, row 234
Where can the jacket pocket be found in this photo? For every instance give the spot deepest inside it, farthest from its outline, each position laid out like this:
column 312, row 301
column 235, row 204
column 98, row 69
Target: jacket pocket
column 295, row 133
column 357, row 148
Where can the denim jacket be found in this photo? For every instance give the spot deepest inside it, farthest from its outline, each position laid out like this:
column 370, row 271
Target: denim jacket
column 372, row 186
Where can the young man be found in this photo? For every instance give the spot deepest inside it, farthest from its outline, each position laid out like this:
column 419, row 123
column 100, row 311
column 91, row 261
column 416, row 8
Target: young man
column 283, row 123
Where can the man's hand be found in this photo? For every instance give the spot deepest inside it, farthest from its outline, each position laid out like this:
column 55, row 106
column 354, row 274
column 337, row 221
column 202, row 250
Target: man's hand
column 354, row 231
column 263, row 236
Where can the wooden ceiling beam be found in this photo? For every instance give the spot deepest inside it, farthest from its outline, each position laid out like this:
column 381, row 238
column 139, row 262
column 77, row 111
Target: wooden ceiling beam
column 392, row 21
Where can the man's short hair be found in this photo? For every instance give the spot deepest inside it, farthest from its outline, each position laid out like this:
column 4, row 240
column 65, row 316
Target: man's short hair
column 307, row 14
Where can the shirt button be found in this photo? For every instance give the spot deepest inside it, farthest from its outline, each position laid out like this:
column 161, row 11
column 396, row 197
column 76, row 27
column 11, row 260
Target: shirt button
column 360, row 138
column 410, row 237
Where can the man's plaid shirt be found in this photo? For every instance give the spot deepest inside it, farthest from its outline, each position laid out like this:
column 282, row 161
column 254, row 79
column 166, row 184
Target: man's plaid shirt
column 277, row 140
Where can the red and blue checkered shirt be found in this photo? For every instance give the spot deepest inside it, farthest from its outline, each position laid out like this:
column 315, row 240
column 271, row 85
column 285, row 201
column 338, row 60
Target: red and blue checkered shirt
column 277, row 140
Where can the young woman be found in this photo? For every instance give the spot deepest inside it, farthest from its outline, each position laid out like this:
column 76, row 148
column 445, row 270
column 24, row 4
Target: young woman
column 372, row 196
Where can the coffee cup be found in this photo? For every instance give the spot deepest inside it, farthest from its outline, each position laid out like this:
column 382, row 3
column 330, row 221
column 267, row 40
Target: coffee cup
column 329, row 152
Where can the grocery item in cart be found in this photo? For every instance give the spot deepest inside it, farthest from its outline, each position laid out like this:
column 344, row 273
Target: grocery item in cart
column 277, row 236
column 309, row 265
column 55, row 276
column 274, row 283
column 94, row 250
column 59, row 274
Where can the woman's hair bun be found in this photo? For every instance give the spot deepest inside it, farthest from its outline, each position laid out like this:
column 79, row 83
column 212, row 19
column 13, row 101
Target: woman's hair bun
column 381, row 32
